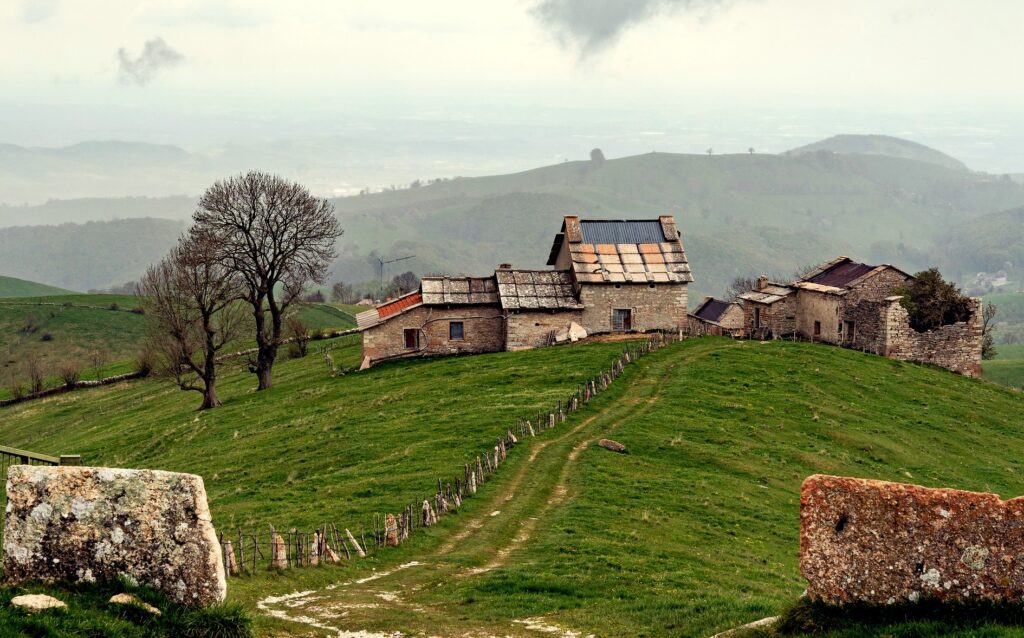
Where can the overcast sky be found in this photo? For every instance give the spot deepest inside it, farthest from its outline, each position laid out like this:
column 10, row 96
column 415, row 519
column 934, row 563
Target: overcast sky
column 166, row 61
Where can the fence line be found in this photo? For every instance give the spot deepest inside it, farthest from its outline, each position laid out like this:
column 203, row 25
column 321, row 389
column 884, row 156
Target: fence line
column 329, row 544
column 13, row 456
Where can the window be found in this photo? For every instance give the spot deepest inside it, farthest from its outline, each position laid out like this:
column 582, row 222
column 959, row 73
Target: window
column 456, row 331
column 622, row 320
column 757, row 317
column 850, row 326
column 412, row 338
column 817, row 328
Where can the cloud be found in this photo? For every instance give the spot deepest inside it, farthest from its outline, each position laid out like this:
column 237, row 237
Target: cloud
column 38, row 10
column 594, row 25
column 156, row 55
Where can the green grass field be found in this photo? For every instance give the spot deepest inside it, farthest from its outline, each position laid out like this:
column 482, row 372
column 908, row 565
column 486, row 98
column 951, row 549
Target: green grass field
column 11, row 287
column 693, row 532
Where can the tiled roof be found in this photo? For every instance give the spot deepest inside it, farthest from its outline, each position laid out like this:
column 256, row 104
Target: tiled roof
column 459, row 290
column 840, row 274
column 614, row 251
column 768, row 295
column 540, row 289
column 386, row 310
column 711, row 309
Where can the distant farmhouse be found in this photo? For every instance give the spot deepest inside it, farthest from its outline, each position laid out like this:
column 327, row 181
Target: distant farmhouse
column 718, row 318
column 852, row 304
column 607, row 276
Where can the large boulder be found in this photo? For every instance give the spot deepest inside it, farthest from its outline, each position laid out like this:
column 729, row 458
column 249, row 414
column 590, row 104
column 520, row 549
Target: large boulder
column 34, row 603
column 879, row 542
column 92, row 523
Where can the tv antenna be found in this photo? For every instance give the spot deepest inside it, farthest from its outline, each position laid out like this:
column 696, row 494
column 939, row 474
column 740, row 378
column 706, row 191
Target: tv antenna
column 384, row 262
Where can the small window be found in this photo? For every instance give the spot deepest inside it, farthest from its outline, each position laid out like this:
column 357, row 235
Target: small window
column 651, row 286
column 456, row 331
column 618, row 286
column 622, row 320
column 850, row 327
column 412, row 338
column 757, row 317
column 817, row 328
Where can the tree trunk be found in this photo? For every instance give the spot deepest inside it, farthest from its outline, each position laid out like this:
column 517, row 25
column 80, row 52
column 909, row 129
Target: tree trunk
column 210, row 399
column 266, row 348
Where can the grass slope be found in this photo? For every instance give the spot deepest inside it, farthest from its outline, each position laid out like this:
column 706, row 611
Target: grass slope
column 695, row 531
column 11, row 287
column 881, row 145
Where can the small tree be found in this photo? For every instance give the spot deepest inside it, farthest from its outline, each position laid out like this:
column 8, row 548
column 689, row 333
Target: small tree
column 342, row 292
column 405, row 282
column 597, row 156
column 36, row 372
column 299, row 345
column 931, row 301
column 70, row 373
column 277, row 237
column 988, row 344
column 98, row 360
column 191, row 299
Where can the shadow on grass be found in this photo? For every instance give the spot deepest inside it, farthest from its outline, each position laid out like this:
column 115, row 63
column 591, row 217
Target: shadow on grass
column 89, row 613
column 927, row 617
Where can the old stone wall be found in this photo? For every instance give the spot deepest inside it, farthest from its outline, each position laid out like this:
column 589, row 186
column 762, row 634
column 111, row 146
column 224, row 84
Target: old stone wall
column 869, row 325
column 483, row 331
column 878, row 542
column 88, row 523
column 777, row 319
column 729, row 324
column 533, row 329
column 877, row 287
column 956, row 347
column 819, row 307
column 656, row 306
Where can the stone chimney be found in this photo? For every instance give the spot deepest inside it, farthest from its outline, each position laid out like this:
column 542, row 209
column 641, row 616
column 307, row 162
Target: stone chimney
column 504, row 266
column 762, row 282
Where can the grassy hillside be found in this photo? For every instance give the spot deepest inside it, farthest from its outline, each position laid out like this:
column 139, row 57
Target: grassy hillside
column 71, row 328
column 692, row 532
column 988, row 243
column 881, row 145
column 11, row 287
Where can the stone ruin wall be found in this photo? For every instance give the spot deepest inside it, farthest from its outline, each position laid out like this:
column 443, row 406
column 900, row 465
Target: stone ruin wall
column 876, row 288
column 661, row 307
column 780, row 317
column 956, row 347
column 533, row 329
column 88, row 524
column 882, row 543
column 484, row 331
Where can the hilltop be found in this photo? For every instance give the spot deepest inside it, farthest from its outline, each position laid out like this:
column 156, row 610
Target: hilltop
column 11, row 287
column 881, row 145
column 693, row 532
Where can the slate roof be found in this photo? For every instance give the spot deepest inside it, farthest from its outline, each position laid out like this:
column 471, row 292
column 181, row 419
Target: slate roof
column 536, row 289
column 614, row 251
column 769, row 295
column 459, row 290
column 711, row 309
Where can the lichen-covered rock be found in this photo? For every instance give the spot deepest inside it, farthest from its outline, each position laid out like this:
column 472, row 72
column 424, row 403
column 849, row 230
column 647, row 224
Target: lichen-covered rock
column 93, row 523
column 613, row 446
column 128, row 599
column 33, row 603
column 880, row 542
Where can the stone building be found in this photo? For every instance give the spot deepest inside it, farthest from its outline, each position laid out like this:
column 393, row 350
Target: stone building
column 847, row 303
column 716, row 317
column 607, row 276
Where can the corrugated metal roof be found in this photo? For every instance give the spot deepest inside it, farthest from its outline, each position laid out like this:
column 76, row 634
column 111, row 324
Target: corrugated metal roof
column 541, row 289
column 622, row 232
column 711, row 309
column 367, row 319
column 842, row 274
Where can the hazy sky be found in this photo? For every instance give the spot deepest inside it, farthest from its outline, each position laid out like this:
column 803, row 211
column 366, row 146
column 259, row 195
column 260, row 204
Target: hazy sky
column 87, row 69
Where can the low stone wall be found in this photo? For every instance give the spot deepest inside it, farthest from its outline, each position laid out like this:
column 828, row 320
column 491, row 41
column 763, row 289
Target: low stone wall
column 527, row 330
column 879, row 542
column 956, row 347
column 87, row 523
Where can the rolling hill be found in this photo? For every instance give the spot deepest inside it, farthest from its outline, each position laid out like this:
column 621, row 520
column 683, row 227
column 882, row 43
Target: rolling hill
column 740, row 214
column 693, row 532
column 11, row 287
column 881, row 145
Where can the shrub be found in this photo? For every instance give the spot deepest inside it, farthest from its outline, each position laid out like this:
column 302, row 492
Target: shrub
column 146, row 361
column 31, row 325
column 47, row 336
column 115, row 306
column 70, row 374
column 299, row 345
column 18, row 390
column 138, row 310
column 932, row 302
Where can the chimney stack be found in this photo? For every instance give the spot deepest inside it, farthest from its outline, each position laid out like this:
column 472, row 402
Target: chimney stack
column 762, row 282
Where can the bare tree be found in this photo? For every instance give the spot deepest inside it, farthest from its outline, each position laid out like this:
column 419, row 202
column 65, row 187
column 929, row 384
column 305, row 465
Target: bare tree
column 740, row 285
column 403, row 283
column 342, row 292
column 192, row 300
column 278, row 238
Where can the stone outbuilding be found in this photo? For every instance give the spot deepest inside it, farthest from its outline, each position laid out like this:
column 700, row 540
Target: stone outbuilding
column 847, row 303
column 719, row 318
column 607, row 276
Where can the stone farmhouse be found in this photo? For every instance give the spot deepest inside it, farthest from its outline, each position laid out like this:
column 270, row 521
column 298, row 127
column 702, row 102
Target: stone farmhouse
column 851, row 304
column 607, row 276
column 719, row 318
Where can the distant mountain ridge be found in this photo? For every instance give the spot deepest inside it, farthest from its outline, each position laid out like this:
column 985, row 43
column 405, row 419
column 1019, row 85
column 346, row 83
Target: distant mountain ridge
column 881, row 145
column 739, row 214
